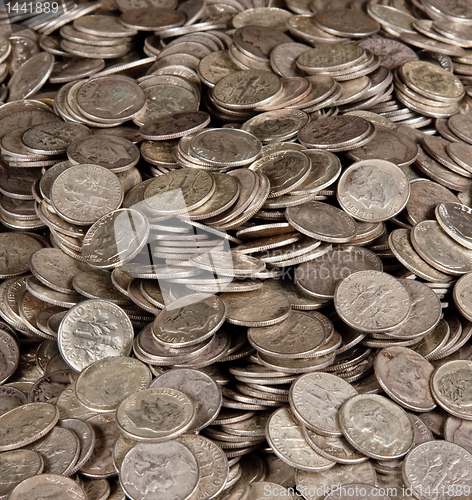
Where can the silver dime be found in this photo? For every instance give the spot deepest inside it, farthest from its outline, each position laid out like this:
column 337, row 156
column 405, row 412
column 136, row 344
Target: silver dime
column 48, row 486
column 93, row 330
column 376, row 426
column 172, row 459
column 16, row 466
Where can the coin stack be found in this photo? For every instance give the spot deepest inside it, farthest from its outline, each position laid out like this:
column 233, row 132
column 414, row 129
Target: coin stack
column 236, row 255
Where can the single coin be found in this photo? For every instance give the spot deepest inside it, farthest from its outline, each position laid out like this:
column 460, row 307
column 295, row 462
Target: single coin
column 265, row 489
column 346, row 22
column 84, row 193
column 258, row 41
column 104, row 384
column 430, row 80
column 200, row 388
column 53, row 138
column 17, row 249
column 100, row 25
column 388, row 145
column 298, row 336
column 454, row 219
column 93, row 330
column 231, row 91
column 461, row 126
column 281, row 429
column 188, row 322
column 30, row 76
column 420, row 470
column 10, row 398
column 59, row 450
column 329, row 58
column 16, row 466
column 152, row 18
column 179, row 191
column 109, row 99
column 112, row 152
column 172, row 459
column 212, row 465
column 155, row 415
column 26, row 424
column 336, row 133
column 322, row 222
column 9, row 356
column 376, row 426
column 48, row 486
column 115, row 238
column 425, row 312
column 405, row 376
column 100, row 464
column 461, row 295
column 373, row 190
column 174, row 126
column 98, row 285
column 315, row 399
column 376, row 292
column 224, row 147
column 286, row 170
column 460, row 153
column 458, row 431
column 451, row 387
column 444, row 254
column 258, row 308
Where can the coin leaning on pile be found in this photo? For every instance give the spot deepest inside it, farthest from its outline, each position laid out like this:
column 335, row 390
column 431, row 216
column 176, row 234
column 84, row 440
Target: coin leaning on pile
column 236, row 250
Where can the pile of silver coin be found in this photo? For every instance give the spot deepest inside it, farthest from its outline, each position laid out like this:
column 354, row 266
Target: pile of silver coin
column 236, row 250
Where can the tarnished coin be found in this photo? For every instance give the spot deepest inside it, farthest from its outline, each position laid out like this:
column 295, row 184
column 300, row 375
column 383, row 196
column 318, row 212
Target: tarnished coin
column 373, row 190
column 232, row 90
column 115, row 153
column 16, row 466
column 454, row 219
column 336, row 133
column 298, row 336
column 30, row 76
column 438, row 461
column 59, row 450
column 226, row 148
column 212, row 465
column 98, row 285
column 200, row 388
column 100, row 463
column 53, row 138
column 258, row 308
column 233, row 264
column 105, row 383
column 84, row 193
column 115, row 238
column 312, row 484
column 451, row 388
column 458, row 431
column 405, row 375
column 439, row 250
column 93, row 330
column 174, row 126
column 346, row 22
column 185, row 323
column 26, row 424
column 322, row 222
column 152, row 18
column 179, row 191
column 17, row 249
column 110, row 99
column 382, row 295
column 155, row 415
column 376, row 426
column 10, row 398
column 282, row 429
column 315, row 399
column 48, row 486
column 461, row 295
column 85, row 433
column 9, row 356
column 145, row 465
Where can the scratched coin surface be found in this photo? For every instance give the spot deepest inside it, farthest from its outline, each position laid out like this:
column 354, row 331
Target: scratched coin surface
column 376, row 426
column 48, row 486
column 150, row 471
column 93, row 330
column 315, row 398
column 16, row 466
